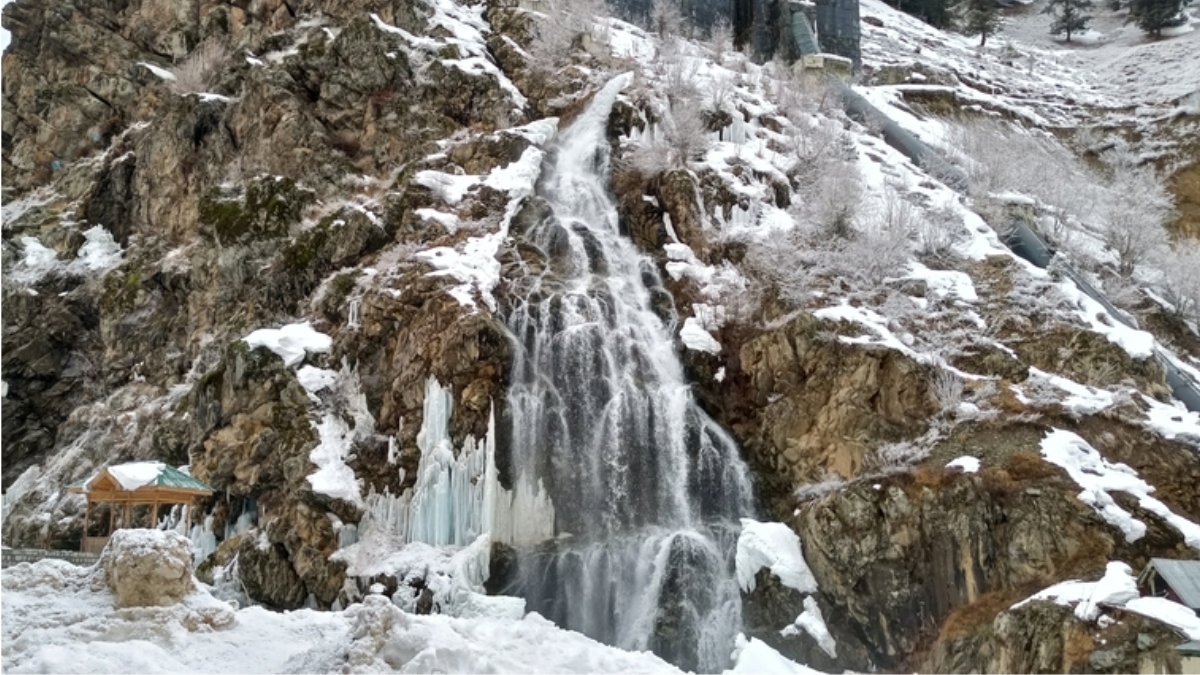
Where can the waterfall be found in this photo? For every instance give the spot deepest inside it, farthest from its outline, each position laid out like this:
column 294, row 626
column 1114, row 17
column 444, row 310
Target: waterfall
column 646, row 488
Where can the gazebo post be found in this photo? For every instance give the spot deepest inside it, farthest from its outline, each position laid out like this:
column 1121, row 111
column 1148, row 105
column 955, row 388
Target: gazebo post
column 112, row 517
column 154, row 518
column 125, row 521
column 87, row 519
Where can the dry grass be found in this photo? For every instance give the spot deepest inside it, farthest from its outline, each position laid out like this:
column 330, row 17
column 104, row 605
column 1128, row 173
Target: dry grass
column 1024, row 465
column 981, row 613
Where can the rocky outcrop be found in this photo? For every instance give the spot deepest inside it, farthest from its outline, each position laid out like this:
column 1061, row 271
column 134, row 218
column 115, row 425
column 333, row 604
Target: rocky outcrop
column 806, row 406
column 1042, row 637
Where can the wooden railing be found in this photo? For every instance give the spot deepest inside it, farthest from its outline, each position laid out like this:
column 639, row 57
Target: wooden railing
column 94, row 544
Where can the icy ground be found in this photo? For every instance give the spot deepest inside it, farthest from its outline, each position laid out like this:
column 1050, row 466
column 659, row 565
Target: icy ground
column 52, row 608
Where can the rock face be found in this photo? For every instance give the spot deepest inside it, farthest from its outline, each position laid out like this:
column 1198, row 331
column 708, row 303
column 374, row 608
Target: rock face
column 813, row 405
column 272, row 181
column 1043, row 637
column 309, row 171
column 147, row 568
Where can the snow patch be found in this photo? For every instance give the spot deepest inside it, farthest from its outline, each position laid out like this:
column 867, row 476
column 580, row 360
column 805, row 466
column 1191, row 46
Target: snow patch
column 1114, row 589
column 315, row 379
column 812, row 622
column 776, row 547
column 967, row 463
column 696, row 338
column 755, row 657
column 1098, row 477
column 290, row 342
column 136, row 474
column 333, row 477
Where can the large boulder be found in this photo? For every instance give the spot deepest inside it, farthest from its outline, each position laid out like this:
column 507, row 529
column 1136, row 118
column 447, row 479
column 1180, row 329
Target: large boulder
column 148, row 568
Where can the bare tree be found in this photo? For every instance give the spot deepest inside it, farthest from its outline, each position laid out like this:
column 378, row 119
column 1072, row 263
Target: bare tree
column 685, row 134
column 1181, row 278
column 1137, row 206
column 721, row 39
column 666, row 19
column 198, row 71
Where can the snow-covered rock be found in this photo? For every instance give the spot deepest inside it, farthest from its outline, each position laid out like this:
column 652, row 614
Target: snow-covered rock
column 148, row 567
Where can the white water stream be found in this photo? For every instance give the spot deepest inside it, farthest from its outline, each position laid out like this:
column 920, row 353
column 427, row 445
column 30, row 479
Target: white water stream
column 646, row 488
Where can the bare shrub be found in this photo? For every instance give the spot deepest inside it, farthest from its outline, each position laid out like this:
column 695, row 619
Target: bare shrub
column 877, row 250
column 834, row 198
column 895, row 457
column 814, row 143
column 679, row 75
column 936, row 231
column 1004, row 159
column 1137, row 206
column 197, row 72
column 948, row 390
column 1180, row 284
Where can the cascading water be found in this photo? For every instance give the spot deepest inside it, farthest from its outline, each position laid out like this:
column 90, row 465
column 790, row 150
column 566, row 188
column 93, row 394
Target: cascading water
column 646, row 488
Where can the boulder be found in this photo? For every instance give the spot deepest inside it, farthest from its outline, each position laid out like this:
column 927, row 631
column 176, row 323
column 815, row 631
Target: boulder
column 148, row 568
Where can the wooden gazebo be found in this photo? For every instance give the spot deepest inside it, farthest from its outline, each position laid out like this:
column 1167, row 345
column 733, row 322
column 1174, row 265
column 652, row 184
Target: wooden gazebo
column 135, row 484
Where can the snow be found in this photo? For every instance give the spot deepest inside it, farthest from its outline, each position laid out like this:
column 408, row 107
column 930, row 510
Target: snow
column 1098, row 478
column 160, row 73
column 945, row 283
column 450, row 188
column 51, row 608
column 1171, row 420
column 446, row 220
column 315, row 379
column 776, row 547
column 467, row 31
column 1137, row 343
column 474, row 262
column 333, row 477
column 696, row 338
column 136, row 474
column 1114, row 589
column 99, row 253
column 1118, row 589
column 1081, row 399
column 755, row 657
column 812, row 622
column 291, row 342
column 36, row 261
column 966, row 463
column 1179, row 617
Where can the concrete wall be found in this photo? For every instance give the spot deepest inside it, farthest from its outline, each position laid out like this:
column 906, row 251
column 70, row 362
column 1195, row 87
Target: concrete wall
column 14, row 556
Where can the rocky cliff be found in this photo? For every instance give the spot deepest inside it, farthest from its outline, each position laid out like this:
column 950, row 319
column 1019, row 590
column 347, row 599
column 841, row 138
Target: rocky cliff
column 180, row 175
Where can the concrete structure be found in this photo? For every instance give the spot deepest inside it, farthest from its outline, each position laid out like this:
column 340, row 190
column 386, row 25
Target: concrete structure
column 790, row 29
column 16, row 556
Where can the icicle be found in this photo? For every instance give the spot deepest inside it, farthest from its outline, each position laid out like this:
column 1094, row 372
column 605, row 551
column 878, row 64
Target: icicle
column 455, row 500
column 352, row 322
column 204, row 540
